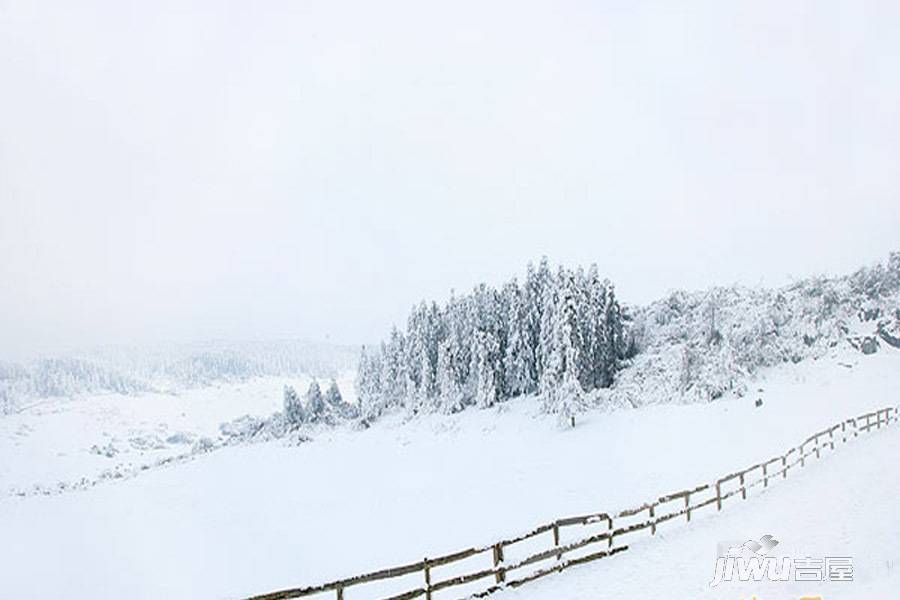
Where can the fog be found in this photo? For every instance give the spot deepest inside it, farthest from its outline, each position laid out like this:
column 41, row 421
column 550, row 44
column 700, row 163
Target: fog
column 244, row 170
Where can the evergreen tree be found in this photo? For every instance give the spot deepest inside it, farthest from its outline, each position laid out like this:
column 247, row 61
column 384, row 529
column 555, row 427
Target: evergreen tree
column 486, row 369
column 452, row 391
column 315, row 405
column 518, row 355
column 294, row 413
column 396, row 382
column 598, row 343
column 615, row 339
column 482, row 348
column 368, row 379
column 550, row 352
column 335, row 404
column 333, row 394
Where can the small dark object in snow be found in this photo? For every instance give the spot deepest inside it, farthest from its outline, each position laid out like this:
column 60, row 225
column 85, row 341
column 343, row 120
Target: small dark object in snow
column 869, row 345
column 758, row 402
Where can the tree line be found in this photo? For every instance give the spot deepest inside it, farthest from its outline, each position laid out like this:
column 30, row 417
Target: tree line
column 559, row 335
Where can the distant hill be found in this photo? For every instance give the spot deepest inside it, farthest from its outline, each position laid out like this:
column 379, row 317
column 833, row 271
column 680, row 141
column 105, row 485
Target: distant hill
column 166, row 367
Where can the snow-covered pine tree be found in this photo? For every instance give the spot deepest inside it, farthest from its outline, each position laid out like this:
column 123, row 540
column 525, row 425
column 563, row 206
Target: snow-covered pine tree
column 550, row 352
column 294, row 413
column 452, row 393
column 599, row 343
column 615, row 337
column 368, row 384
column 335, row 404
column 333, row 394
column 460, row 330
column 570, row 344
column 395, row 381
column 316, row 408
column 539, row 284
column 415, row 351
column 486, row 356
column 433, row 332
column 518, row 355
column 584, row 332
column 570, row 396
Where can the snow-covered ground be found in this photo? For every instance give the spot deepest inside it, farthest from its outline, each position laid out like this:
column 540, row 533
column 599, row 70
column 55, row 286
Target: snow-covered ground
column 61, row 442
column 253, row 518
column 843, row 507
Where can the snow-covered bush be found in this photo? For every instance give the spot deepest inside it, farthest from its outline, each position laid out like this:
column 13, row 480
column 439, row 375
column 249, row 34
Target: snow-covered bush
column 315, row 409
column 336, row 405
column 698, row 346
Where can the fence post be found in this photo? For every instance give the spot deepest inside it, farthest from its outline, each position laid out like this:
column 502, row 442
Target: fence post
column 844, row 431
column 816, row 440
column 784, row 467
column 427, row 569
column 743, row 489
column 499, row 575
column 340, row 592
column 609, row 523
column 831, row 437
column 556, row 539
column 652, row 520
column 719, row 495
column 687, row 506
column 802, row 455
column 765, row 475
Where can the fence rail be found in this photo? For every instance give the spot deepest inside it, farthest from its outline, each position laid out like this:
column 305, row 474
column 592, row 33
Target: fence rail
column 499, row 571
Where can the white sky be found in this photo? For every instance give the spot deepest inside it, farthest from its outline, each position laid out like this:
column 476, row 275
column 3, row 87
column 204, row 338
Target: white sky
column 189, row 170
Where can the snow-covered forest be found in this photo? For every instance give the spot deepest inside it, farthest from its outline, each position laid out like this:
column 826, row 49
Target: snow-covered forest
column 166, row 368
column 564, row 337
column 560, row 334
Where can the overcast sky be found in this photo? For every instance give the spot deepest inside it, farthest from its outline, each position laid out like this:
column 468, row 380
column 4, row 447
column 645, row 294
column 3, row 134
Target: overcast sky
column 248, row 170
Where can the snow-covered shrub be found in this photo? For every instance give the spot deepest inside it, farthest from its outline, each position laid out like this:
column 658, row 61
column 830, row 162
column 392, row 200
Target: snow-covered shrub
column 203, row 445
column 181, row 437
column 697, row 346
column 334, row 401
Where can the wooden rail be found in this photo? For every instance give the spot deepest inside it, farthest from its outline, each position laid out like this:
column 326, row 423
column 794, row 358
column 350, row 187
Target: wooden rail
column 559, row 555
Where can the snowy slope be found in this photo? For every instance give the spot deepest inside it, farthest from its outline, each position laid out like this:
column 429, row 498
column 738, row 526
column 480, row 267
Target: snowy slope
column 60, row 442
column 254, row 518
column 844, row 506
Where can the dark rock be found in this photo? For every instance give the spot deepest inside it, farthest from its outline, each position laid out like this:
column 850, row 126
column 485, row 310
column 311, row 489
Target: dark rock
column 869, row 345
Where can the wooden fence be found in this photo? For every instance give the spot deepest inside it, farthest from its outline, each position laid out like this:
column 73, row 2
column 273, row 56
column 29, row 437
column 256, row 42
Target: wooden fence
column 501, row 570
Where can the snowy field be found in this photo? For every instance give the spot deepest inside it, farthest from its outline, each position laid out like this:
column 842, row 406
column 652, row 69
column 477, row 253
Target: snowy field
column 845, row 506
column 58, row 443
column 253, row 518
